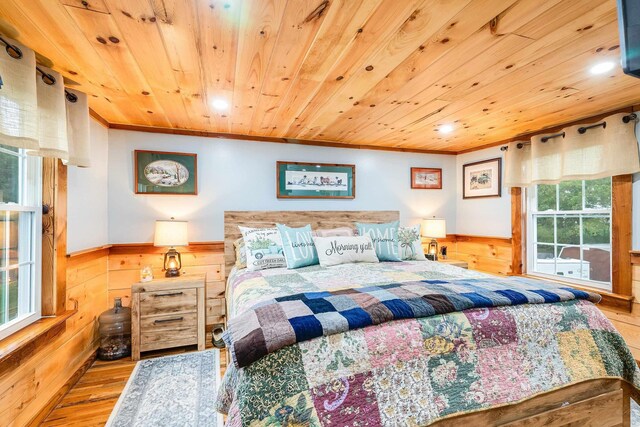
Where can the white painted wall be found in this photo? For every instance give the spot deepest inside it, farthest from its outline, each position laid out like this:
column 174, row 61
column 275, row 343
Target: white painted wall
column 240, row 175
column 489, row 216
column 87, row 215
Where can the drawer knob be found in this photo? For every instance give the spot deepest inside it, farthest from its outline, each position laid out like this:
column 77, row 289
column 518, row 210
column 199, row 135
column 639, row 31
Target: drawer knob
column 173, row 319
column 170, row 294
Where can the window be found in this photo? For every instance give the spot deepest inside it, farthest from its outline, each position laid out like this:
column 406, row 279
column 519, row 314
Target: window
column 20, row 239
column 569, row 231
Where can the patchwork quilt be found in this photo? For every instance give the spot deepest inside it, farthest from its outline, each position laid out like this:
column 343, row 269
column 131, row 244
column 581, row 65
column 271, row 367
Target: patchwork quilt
column 414, row 371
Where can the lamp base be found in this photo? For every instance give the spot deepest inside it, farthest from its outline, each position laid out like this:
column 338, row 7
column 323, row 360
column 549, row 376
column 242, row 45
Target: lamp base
column 172, row 272
column 431, row 257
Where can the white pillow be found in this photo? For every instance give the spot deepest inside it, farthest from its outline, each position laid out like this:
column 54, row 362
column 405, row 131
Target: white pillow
column 330, row 232
column 263, row 247
column 410, row 243
column 345, row 249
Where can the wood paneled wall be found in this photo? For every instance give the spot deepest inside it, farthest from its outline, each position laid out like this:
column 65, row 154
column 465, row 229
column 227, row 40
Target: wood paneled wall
column 125, row 262
column 28, row 389
column 488, row 254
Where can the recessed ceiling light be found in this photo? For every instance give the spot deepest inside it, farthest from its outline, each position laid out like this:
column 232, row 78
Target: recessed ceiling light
column 446, row 129
column 602, row 67
column 219, row 104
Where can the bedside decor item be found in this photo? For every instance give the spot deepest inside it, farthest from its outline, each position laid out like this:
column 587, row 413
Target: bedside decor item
column 296, row 180
column 115, row 332
column 482, row 179
column 443, row 252
column 161, row 172
column 146, row 274
column 168, row 313
column 434, row 228
column 171, row 233
column 426, row 178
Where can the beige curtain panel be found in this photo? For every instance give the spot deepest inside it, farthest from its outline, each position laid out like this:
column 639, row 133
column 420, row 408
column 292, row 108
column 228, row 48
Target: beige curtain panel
column 597, row 153
column 52, row 118
column 18, row 100
column 39, row 117
column 78, row 130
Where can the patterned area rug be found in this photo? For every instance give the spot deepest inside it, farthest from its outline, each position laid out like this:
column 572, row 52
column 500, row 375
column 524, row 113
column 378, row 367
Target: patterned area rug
column 171, row 391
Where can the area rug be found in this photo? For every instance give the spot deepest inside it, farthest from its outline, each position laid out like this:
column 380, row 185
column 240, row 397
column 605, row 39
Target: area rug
column 171, row 391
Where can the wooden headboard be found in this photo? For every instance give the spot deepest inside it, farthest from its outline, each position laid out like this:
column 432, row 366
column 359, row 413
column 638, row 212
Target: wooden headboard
column 317, row 219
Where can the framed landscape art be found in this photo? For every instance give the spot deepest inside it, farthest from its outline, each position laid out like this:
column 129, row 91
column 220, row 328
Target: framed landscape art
column 482, row 179
column 426, row 178
column 161, row 172
column 295, row 180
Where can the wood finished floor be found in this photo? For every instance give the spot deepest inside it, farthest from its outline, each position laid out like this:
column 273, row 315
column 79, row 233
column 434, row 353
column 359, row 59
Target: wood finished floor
column 90, row 401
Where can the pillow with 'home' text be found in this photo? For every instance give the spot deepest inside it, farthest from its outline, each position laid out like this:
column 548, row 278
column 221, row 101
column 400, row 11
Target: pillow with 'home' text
column 344, row 249
column 384, row 237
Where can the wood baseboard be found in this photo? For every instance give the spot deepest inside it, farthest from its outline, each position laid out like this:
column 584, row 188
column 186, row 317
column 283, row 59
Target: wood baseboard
column 57, row 397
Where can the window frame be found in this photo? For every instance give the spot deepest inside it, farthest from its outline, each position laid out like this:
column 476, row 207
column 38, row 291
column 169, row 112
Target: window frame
column 531, row 236
column 30, row 200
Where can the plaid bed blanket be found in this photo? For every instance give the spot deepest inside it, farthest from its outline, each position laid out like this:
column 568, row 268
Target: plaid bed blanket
column 282, row 321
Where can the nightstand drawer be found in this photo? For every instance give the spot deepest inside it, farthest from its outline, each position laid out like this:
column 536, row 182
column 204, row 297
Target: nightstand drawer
column 167, row 302
column 169, row 322
column 171, row 330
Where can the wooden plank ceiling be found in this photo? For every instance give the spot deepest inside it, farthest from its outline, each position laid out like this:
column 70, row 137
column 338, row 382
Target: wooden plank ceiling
column 368, row 72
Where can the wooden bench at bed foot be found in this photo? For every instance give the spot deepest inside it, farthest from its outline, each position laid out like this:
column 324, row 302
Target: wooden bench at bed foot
column 593, row 403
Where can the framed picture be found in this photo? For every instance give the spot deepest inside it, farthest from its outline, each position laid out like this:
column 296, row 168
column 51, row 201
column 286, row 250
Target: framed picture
column 426, row 178
column 161, row 172
column 296, row 180
column 482, row 179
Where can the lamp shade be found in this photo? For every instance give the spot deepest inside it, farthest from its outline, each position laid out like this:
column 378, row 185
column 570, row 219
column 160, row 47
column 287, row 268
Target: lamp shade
column 171, row 233
column 435, row 228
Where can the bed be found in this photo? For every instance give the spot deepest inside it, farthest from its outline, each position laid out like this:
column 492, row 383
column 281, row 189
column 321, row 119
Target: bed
column 483, row 360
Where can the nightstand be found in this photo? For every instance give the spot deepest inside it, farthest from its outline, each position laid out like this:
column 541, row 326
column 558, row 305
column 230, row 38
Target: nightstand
column 167, row 312
column 455, row 262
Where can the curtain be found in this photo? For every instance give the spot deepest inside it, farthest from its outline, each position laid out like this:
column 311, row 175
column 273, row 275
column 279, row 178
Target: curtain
column 78, row 130
column 37, row 115
column 18, row 101
column 52, row 122
column 597, row 153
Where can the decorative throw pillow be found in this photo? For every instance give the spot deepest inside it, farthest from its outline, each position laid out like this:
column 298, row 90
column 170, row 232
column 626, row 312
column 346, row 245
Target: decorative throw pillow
column 344, row 249
column 410, row 243
column 299, row 249
column 263, row 248
column 241, row 254
column 330, row 232
column 384, row 237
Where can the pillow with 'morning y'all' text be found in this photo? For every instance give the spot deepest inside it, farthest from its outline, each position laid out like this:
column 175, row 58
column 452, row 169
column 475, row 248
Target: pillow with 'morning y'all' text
column 344, row 249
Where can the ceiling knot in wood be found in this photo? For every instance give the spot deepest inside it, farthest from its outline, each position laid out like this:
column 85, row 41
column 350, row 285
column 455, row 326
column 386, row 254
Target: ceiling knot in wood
column 317, row 12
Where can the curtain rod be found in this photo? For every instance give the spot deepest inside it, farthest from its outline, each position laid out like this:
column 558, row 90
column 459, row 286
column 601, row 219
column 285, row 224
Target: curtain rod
column 581, row 130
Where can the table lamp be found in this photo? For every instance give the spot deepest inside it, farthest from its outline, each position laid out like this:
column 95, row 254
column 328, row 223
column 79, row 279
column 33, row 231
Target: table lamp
column 171, row 233
column 433, row 228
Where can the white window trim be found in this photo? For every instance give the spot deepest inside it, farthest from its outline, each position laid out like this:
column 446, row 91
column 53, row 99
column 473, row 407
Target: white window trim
column 31, row 202
column 531, row 236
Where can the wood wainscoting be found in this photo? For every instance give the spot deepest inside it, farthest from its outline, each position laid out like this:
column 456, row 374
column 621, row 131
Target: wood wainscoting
column 489, row 254
column 32, row 388
column 126, row 260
